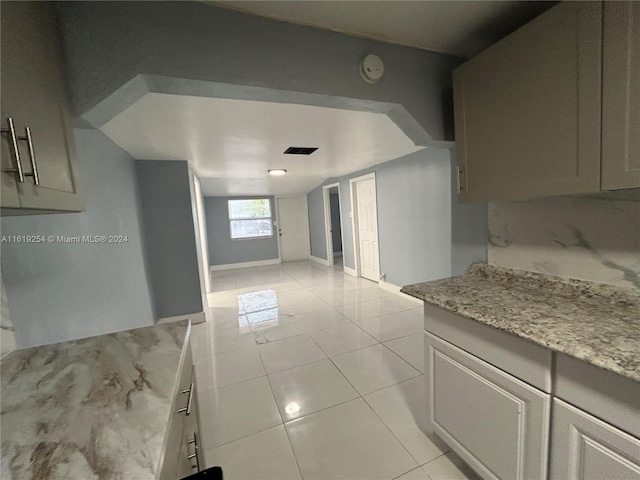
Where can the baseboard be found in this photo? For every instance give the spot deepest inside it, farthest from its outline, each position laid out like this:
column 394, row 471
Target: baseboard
column 319, row 260
column 390, row 287
column 258, row 263
column 350, row 271
column 337, row 254
column 194, row 317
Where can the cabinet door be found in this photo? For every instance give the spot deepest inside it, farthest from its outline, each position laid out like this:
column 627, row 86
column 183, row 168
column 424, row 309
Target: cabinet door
column 174, row 460
column 621, row 96
column 495, row 422
column 191, row 456
column 34, row 95
column 527, row 110
column 586, row 448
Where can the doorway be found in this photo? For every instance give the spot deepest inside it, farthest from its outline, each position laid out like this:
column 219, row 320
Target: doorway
column 293, row 228
column 365, row 226
column 333, row 223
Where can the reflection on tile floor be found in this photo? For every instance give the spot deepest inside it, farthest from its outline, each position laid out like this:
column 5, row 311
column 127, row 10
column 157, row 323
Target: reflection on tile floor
column 307, row 373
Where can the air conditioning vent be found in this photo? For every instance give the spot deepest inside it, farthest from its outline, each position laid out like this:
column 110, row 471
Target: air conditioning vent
column 300, row 150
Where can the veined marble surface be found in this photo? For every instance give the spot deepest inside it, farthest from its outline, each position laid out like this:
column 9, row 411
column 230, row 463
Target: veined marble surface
column 597, row 323
column 95, row 408
column 594, row 238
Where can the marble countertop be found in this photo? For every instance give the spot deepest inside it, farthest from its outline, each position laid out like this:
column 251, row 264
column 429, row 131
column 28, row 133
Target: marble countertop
column 594, row 322
column 95, row 408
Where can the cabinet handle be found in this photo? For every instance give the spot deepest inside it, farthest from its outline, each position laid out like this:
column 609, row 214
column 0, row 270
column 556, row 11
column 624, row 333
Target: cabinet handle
column 16, row 153
column 187, row 409
column 32, row 157
column 196, row 449
column 458, row 179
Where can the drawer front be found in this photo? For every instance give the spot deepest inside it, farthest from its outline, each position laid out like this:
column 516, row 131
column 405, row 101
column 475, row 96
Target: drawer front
column 607, row 395
column 495, row 422
column 586, row 448
column 522, row 359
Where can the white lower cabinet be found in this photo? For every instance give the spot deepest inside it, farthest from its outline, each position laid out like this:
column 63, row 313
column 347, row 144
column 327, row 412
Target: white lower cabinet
column 586, row 448
column 514, row 410
column 497, row 423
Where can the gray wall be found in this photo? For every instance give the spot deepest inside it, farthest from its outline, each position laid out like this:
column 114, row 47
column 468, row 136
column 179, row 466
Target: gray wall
column 415, row 214
column 7, row 333
column 109, row 43
column 167, row 213
column 336, row 231
column 223, row 250
column 60, row 292
column 317, row 236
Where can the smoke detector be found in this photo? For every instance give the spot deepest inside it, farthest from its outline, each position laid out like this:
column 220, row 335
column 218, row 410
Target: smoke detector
column 371, row 69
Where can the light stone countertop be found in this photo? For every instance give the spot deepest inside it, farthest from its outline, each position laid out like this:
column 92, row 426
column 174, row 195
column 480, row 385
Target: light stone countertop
column 594, row 322
column 95, row 408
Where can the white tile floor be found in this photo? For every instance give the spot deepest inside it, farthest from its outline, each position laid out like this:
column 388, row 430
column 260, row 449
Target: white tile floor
column 305, row 372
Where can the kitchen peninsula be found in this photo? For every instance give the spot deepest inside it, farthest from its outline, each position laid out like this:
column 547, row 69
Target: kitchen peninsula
column 99, row 407
column 532, row 375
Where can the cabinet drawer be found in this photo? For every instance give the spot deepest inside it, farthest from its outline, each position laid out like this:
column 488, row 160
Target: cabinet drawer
column 523, row 359
column 495, row 422
column 607, row 395
column 586, row 448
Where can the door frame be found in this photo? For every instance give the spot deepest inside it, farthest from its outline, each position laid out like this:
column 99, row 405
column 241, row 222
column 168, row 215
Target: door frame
column 327, row 220
column 202, row 233
column 354, row 219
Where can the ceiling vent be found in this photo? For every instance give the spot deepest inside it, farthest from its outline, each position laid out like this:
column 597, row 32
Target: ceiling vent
column 300, row 150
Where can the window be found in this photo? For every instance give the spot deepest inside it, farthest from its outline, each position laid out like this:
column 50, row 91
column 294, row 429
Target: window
column 250, row 218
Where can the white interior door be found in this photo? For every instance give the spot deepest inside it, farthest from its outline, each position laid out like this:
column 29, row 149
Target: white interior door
column 367, row 220
column 293, row 228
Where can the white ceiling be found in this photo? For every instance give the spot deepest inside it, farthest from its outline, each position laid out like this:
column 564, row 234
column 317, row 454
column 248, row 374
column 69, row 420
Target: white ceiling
column 230, row 144
column 462, row 28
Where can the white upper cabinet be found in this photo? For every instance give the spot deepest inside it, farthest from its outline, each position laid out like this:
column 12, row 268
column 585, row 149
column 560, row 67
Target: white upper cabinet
column 621, row 96
column 529, row 110
column 35, row 102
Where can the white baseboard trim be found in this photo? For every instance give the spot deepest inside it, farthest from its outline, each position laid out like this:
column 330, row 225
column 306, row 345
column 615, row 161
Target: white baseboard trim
column 319, row 260
column 350, row 271
column 194, row 317
column 390, row 287
column 258, row 263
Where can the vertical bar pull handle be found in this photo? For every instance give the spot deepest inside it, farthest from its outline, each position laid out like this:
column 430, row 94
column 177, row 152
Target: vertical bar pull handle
column 459, row 180
column 187, row 410
column 196, row 449
column 11, row 131
column 32, row 157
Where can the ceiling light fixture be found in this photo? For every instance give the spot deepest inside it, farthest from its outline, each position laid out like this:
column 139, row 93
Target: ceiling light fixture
column 277, row 171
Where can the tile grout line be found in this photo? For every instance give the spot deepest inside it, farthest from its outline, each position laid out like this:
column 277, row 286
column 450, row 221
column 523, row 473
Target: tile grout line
column 389, row 428
column 293, row 451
